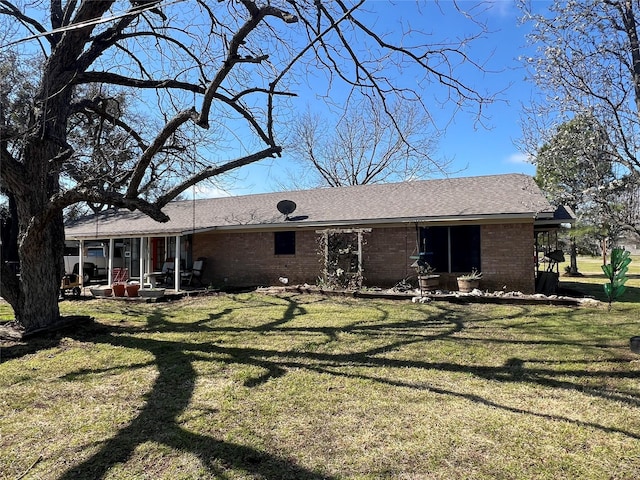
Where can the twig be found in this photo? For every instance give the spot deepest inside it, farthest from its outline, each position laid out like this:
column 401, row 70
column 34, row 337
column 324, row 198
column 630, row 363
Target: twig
column 30, row 467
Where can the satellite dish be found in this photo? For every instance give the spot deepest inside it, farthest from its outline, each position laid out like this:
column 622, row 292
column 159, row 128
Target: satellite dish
column 286, row 207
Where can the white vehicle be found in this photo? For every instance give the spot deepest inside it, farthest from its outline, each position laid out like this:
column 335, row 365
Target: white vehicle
column 96, row 259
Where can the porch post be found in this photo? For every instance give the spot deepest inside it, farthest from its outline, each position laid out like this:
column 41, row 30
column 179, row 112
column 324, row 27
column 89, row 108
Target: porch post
column 176, row 265
column 449, row 249
column 150, row 266
column 142, row 255
column 81, row 262
column 112, row 243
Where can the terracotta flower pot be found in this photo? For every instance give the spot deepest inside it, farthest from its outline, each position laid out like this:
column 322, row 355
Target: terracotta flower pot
column 132, row 289
column 428, row 282
column 466, row 286
column 118, row 289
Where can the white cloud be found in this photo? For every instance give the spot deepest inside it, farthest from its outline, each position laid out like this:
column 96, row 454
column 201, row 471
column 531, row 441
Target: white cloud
column 211, row 192
column 519, row 158
column 501, row 7
column 206, row 191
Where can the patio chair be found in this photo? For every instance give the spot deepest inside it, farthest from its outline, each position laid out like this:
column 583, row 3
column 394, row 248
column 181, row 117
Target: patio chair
column 167, row 273
column 194, row 274
column 120, row 275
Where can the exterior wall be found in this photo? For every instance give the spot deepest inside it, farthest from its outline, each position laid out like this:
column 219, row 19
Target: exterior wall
column 247, row 258
column 508, row 261
column 242, row 259
column 386, row 255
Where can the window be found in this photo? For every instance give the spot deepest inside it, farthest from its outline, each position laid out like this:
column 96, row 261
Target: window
column 284, row 243
column 95, row 252
column 451, row 249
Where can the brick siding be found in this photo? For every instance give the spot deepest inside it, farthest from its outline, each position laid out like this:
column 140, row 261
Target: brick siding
column 243, row 259
column 508, row 257
column 247, row 258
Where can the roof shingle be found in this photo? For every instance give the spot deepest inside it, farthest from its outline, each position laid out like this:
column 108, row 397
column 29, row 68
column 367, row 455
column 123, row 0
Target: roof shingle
column 506, row 196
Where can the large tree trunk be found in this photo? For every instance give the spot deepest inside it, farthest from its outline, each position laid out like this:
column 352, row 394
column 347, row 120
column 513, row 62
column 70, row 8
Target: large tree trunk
column 34, row 297
column 40, row 275
column 41, row 228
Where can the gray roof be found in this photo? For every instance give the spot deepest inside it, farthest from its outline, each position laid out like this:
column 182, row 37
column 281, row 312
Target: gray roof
column 510, row 196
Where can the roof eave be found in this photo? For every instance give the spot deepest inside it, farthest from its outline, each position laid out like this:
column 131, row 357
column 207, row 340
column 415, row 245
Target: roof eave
column 290, row 225
column 520, row 217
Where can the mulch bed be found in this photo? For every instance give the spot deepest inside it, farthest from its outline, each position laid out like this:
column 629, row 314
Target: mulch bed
column 507, row 298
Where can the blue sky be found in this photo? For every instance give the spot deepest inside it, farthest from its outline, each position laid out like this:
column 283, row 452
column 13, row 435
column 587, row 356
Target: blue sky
column 474, row 149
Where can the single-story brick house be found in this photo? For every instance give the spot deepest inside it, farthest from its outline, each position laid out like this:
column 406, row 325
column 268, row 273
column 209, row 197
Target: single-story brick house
column 497, row 224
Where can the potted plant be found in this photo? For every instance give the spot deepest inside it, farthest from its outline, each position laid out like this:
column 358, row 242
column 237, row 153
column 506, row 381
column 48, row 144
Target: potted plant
column 469, row 281
column 427, row 280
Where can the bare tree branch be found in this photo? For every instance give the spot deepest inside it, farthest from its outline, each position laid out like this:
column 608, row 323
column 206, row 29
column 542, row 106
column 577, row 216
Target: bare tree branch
column 134, row 102
column 216, row 171
column 169, row 129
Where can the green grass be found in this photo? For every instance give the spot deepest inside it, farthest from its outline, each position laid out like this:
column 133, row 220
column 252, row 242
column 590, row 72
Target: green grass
column 592, row 281
column 307, row 387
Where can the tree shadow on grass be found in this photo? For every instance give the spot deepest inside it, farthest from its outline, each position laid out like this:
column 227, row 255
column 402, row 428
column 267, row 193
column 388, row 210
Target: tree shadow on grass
column 596, row 290
column 175, row 384
column 158, row 421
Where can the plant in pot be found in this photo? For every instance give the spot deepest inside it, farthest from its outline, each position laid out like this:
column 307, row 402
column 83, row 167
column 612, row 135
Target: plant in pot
column 427, row 280
column 469, row 281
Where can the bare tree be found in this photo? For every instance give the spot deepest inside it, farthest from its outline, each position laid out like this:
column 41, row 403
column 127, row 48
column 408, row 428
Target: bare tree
column 219, row 69
column 587, row 63
column 366, row 145
column 587, row 60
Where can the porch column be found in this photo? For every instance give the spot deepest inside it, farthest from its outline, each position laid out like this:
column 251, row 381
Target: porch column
column 112, row 244
column 81, row 262
column 150, row 265
column 142, row 255
column 176, row 265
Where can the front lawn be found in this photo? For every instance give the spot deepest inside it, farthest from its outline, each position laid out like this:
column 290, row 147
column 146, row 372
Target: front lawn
column 308, row 387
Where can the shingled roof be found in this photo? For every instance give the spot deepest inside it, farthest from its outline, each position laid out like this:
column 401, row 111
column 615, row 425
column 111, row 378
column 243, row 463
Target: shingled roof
column 507, row 197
